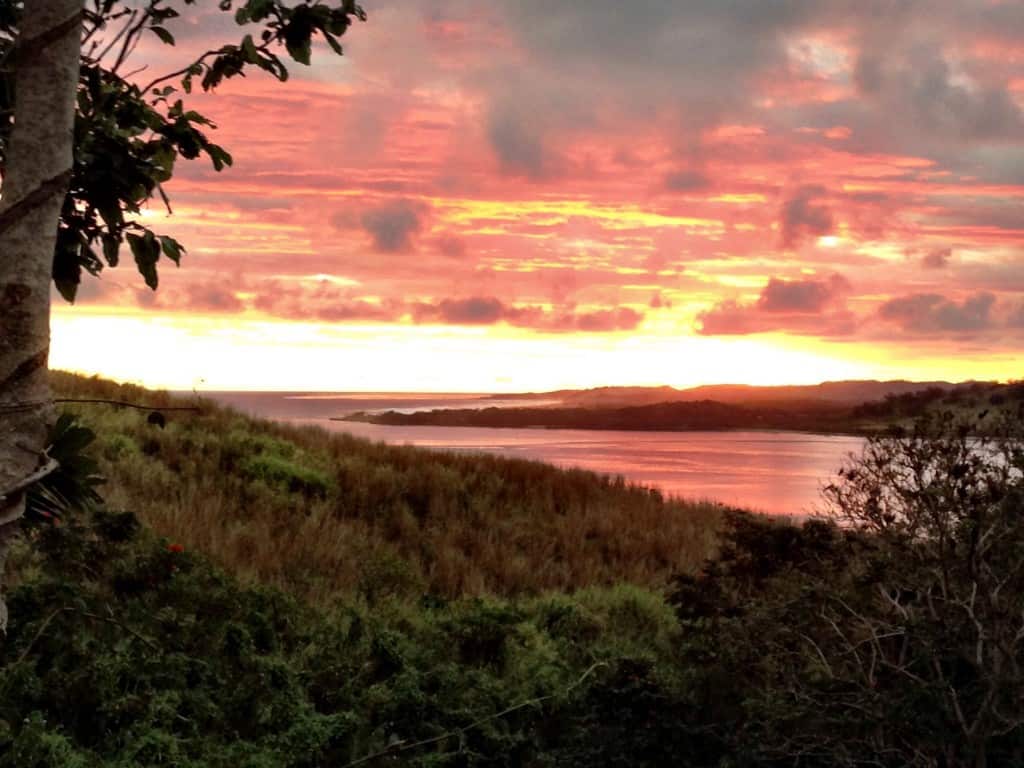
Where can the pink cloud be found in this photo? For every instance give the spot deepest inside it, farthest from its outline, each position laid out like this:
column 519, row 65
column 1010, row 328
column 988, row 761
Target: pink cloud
column 807, row 307
column 930, row 313
column 554, row 166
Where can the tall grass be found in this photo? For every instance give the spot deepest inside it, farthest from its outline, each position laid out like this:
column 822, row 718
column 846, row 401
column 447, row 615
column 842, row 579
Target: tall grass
column 328, row 515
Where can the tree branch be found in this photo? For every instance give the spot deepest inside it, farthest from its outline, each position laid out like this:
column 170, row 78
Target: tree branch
column 48, row 468
column 139, row 406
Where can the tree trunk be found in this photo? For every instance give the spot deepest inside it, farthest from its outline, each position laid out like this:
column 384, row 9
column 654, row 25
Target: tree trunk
column 39, row 158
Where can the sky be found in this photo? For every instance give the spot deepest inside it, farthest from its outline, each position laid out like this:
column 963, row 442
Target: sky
column 511, row 195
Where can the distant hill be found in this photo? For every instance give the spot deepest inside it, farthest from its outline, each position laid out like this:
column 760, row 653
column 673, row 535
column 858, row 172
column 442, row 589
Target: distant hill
column 662, row 416
column 834, row 407
column 840, row 392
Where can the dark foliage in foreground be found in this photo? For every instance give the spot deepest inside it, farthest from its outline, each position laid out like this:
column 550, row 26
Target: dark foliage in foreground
column 896, row 639
column 128, row 650
column 893, row 638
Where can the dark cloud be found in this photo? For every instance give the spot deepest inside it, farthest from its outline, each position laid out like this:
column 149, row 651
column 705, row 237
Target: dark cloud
column 393, row 225
column 932, row 313
column 620, row 319
column 202, row 296
column 812, row 307
column 926, row 79
column 517, row 143
column 210, row 297
column 919, row 89
column 730, row 318
column 473, row 311
column 450, row 246
column 322, row 301
column 937, row 258
column 801, row 295
column 488, row 310
column 652, row 53
column 999, row 214
column 328, row 302
column 1016, row 319
column 804, row 216
column 687, row 181
column 347, row 312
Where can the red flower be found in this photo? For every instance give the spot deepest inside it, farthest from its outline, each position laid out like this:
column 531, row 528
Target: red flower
column 175, row 548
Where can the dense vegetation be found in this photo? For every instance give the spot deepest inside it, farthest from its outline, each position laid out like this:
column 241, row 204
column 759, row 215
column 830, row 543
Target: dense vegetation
column 128, row 650
column 965, row 399
column 893, row 638
column 804, row 415
column 323, row 515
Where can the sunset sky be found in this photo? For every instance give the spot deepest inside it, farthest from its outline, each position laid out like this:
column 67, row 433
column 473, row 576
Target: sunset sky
column 494, row 195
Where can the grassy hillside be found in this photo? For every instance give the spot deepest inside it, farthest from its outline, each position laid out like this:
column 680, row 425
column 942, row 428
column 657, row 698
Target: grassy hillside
column 323, row 514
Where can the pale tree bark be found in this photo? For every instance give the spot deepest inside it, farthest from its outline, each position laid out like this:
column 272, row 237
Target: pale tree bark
column 39, row 159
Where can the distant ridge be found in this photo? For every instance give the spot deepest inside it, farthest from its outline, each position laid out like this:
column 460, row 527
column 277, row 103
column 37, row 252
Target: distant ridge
column 838, row 392
column 832, row 408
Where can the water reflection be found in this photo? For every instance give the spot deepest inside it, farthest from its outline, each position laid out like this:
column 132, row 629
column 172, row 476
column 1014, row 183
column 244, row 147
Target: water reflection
column 774, row 472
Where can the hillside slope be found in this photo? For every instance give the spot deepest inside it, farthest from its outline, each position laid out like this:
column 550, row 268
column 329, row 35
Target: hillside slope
column 324, row 514
column 836, row 392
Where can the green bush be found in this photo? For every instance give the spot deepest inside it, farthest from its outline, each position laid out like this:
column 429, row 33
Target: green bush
column 286, row 475
column 117, row 446
column 128, row 650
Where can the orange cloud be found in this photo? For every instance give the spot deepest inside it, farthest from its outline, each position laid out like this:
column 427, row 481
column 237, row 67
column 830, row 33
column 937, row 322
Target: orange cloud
column 518, row 166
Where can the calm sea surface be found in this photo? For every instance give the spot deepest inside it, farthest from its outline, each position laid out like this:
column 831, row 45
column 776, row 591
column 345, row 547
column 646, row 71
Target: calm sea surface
column 776, row 472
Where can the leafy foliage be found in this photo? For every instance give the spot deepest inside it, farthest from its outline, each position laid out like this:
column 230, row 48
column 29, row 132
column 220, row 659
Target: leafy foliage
column 129, row 650
column 72, row 486
column 895, row 637
column 130, row 134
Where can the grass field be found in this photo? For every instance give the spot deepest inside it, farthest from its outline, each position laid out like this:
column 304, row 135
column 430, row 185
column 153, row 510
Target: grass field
column 322, row 514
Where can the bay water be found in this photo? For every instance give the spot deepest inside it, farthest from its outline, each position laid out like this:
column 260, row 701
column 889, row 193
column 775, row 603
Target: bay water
column 773, row 472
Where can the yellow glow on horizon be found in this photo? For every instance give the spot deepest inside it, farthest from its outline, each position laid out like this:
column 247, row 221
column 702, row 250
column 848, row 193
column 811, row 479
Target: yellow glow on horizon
column 185, row 352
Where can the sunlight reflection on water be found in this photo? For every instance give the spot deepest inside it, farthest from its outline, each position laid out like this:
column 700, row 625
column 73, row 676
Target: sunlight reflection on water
column 774, row 472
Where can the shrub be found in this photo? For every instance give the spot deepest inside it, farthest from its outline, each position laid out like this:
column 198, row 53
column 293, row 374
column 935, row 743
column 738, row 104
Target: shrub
column 126, row 649
column 286, row 475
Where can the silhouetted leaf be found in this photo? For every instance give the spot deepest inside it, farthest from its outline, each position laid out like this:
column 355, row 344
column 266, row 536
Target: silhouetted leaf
column 163, row 34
